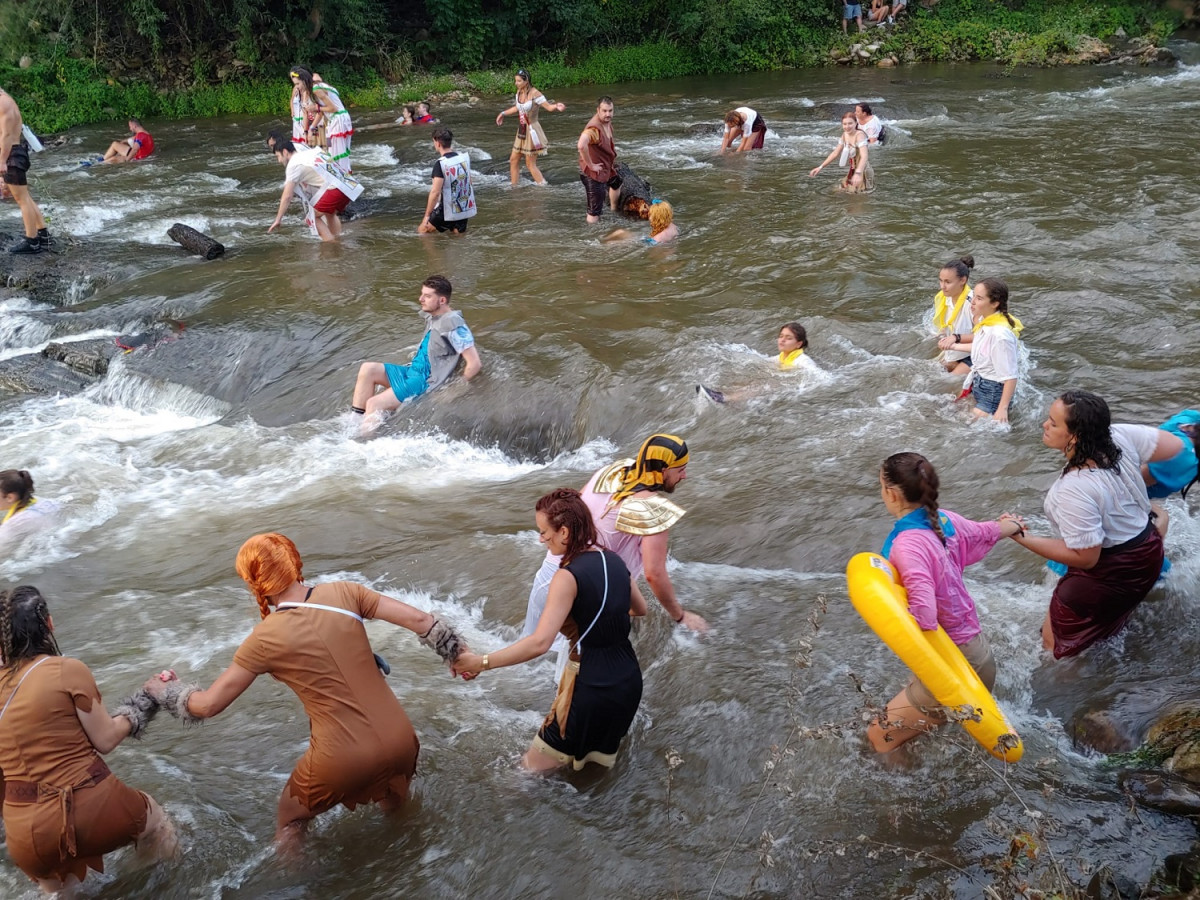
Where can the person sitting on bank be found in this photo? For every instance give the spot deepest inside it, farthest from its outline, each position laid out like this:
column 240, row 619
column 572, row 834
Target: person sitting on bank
column 138, row 145
column 313, row 176
column 451, row 194
column 744, row 128
column 447, row 338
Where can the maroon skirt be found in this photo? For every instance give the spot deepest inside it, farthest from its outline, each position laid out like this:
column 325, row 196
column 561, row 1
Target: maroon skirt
column 1090, row 605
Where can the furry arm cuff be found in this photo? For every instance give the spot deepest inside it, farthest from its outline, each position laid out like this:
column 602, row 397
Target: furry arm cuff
column 175, row 699
column 139, row 709
column 442, row 639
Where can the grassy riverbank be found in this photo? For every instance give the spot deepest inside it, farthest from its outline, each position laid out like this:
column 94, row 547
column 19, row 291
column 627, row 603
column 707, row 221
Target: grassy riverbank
column 58, row 90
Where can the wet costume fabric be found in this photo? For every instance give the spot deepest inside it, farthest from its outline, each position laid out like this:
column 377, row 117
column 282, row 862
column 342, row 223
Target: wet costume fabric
column 607, row 688
column 63, row 809
column 362, row 745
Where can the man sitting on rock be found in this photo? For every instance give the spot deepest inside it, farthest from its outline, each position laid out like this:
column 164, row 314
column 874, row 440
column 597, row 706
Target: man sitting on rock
column 138, row 145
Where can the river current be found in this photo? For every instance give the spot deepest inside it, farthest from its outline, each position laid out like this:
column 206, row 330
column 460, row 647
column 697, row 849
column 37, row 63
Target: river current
column 1075, row 185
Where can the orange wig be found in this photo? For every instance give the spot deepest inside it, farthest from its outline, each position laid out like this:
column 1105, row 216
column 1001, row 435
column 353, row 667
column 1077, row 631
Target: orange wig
column 269, row 564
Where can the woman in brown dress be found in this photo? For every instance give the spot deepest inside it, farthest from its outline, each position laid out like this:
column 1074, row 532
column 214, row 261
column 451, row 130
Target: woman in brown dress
column 363, row 748
column 63, row 808
column 530, row 141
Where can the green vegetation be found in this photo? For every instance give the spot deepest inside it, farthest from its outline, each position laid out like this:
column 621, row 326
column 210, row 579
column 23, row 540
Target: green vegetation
column 105, row 59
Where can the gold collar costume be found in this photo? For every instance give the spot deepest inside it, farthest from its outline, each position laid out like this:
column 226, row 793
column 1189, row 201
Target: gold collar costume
column 644, row 515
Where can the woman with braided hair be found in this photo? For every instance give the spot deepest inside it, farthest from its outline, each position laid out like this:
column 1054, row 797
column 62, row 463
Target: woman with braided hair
column 590, row 601
column 363, row 749
column 930, row 547
column 63, row 808
column 1098, row 504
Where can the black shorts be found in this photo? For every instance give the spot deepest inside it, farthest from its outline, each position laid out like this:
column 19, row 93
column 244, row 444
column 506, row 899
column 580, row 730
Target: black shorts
column 597, row 192
column 18, row 165
column 439, row 222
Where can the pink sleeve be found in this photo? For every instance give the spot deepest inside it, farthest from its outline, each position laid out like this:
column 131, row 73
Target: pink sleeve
column 975, row 538
column 914, row 560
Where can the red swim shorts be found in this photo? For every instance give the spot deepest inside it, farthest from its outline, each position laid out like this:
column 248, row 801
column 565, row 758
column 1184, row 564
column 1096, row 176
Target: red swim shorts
column 332, row 201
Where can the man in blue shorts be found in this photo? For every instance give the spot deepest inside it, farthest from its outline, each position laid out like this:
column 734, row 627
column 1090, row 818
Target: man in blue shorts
column 851, row 11
column 447, row 338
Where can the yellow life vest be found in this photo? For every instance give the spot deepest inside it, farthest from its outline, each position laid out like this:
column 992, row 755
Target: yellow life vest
column 788, row 360
column 943, row 316
column 999, row 318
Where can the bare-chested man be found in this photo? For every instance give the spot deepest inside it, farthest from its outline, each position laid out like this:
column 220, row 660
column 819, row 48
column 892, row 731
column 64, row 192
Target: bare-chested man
column 14, row 166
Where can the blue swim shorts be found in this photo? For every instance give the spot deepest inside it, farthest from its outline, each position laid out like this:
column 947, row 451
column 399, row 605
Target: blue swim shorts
column 405, row 383
column 852, row 10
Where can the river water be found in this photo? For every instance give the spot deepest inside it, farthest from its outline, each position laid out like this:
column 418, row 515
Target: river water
column 1076, row 185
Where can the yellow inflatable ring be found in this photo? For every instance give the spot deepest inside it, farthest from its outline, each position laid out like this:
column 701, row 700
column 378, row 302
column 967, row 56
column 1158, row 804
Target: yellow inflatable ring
column 933, row 657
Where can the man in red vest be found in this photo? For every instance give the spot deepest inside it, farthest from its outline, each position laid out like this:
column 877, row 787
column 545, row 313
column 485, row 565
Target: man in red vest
column 597, row 158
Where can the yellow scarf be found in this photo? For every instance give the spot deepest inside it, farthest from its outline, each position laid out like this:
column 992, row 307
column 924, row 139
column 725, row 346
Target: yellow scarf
column 999, row 318
column 659, row 453
column 943, row 316
column 16, row 508
column 787, row 360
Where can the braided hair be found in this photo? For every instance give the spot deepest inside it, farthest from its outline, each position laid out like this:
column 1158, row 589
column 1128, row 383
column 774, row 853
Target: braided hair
column 269, row 564
column 19, row 482
column 914, row 476
column 24, row 628
column 997, row 292
column 1090, row 423
column 565, row 507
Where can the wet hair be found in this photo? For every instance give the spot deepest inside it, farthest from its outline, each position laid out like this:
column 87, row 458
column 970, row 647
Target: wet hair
column 24, row 628
column 961, row 267
column 605, row 99
column 565, row 506
column 269, row 564
column 443, row 137
column 1090, row 422
column 277, row 143
column 411, row 110
column 661, row 215
column 850, row 115
column 424, row 103
column 440, row 285
column 997, row 292
column 136, row 122
column 19, row 482
column 865, row 107
column 798, row 332
column 523, row 75
column 734, row 118
column 914, row 476
column 305, row 76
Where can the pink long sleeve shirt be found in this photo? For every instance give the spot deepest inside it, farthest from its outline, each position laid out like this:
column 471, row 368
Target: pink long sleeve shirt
column 932, row 574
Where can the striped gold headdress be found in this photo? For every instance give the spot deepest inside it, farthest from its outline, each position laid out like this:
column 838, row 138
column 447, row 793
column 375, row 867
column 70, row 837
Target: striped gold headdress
column 659, row 453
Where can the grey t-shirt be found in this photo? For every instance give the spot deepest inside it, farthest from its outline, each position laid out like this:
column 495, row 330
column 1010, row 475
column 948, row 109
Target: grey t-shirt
column 449, row 337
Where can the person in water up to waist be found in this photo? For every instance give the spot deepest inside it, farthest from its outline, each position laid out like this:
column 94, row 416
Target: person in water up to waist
column 1179, row 471
column 952, row 317
column 447, row 338
column 21, row 513
column 138, row 146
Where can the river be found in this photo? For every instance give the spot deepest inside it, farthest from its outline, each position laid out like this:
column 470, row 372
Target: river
column 1070, row 183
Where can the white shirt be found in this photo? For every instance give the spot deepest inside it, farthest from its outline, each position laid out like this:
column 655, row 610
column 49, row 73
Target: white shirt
column 872, row 127
column 1105, row 507
column 31, row 519
column 994, row 353
column 749, row 117
column 301, row 173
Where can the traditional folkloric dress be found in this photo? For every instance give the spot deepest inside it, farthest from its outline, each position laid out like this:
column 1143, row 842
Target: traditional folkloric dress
column 530, row 136
column 338, row 127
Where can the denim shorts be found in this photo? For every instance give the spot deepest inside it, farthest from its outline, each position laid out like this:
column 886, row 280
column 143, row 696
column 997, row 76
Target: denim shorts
column 987, row 394
column 852, row 10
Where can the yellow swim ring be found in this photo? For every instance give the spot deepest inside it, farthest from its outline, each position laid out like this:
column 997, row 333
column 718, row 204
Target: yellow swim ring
column 933, row 657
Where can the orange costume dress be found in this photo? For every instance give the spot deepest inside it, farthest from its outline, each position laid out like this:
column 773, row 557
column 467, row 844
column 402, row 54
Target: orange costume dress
column 63, row 808
column 362, row 746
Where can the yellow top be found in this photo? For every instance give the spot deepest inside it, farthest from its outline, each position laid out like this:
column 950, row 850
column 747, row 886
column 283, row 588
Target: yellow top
column 943, row 315
column 789, row 360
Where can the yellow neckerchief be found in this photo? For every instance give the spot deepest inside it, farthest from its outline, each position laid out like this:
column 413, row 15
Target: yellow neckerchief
column 787, row 360
column 941, row 308
column 16, row 508
column 999, row 318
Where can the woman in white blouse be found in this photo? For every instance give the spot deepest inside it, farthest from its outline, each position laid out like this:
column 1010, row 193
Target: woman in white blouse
column 1098, row 505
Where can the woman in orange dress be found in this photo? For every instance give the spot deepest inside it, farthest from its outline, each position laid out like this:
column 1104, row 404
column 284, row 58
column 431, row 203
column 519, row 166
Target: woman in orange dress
column 363, row 749
column 63, row 808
